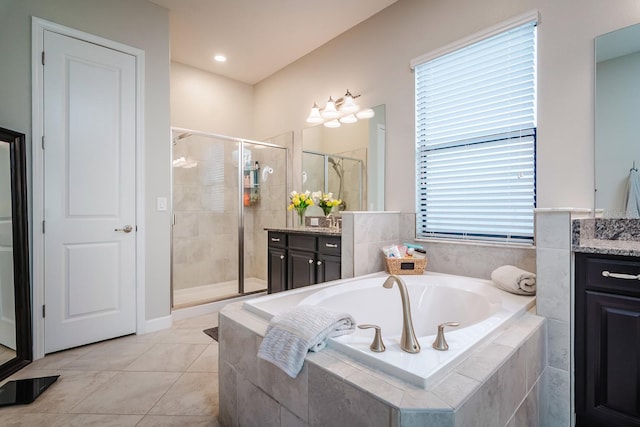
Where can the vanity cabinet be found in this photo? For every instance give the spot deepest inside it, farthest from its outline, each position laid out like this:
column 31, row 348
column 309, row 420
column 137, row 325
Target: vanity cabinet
column 607, row 340
column 302, row 259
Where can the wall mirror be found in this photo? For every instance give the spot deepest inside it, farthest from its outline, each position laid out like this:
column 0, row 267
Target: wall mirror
column 15, row 312
column 347, row 161
column 617, row 128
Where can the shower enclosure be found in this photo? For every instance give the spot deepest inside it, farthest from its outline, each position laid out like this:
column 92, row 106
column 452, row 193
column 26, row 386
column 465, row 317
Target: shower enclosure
column 338, row 174
column 225, row 192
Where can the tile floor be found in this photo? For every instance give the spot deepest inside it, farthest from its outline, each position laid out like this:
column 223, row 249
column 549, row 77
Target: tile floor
column 165, row 378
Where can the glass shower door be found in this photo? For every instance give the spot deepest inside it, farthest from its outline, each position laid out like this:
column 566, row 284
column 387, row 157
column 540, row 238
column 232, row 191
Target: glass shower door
column 205, row 261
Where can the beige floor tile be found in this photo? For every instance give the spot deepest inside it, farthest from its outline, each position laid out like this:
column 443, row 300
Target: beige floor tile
column 176, row 336
column 167, row 358
column 29, row 420
column 193, row 394
column 207, row 361
column 110, row 356
column 203, row 322
column 69, row 390
column 178, row 421
column 128, row 393
column 91, row 420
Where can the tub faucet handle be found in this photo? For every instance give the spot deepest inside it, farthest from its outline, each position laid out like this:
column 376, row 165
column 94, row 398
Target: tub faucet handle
column 440, row 343
column 377, row 345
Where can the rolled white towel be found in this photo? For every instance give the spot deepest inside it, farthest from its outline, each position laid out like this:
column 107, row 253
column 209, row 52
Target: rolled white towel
column 515, row 280
column 304, row 328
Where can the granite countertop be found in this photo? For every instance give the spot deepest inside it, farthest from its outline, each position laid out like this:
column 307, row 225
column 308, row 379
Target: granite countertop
column 608, row 247
column 307, row 230
column 607, row 236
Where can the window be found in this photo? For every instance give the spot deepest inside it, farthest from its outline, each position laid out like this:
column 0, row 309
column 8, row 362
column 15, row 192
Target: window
column 476, row 139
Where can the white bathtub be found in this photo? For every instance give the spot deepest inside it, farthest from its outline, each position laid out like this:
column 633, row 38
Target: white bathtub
column 435, row 298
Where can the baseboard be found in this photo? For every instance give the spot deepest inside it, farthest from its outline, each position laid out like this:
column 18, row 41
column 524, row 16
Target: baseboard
column 157, row 324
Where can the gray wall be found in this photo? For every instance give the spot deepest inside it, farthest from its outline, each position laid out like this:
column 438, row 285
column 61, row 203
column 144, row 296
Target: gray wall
column 137, row 23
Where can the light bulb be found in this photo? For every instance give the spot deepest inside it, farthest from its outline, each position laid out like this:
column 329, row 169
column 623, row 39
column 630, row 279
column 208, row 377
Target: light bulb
column 365, row 114
column 349, row 119
column 349, row 105
column 330, row 111
column 314, row 116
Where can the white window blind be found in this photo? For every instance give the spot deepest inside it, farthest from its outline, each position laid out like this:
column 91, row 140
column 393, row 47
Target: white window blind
column 476, row 138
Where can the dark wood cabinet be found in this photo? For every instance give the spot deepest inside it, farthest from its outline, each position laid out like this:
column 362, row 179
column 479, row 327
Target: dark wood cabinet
column 298, row 259
column 607, row 341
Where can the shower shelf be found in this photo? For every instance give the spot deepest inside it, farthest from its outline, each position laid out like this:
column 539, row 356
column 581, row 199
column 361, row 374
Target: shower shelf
column 251, row 186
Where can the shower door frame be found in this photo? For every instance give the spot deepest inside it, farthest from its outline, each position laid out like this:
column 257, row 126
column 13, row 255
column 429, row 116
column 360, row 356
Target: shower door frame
column 240, row 201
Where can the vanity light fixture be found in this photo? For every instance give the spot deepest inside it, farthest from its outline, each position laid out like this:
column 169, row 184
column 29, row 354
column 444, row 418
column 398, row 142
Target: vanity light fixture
column 342, row 110
column 330, row 111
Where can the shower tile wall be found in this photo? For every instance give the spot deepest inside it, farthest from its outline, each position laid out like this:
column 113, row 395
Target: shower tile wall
column 269, row 211
column 205, row 237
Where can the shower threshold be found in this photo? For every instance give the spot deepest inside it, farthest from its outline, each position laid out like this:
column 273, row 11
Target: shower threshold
column 197, row 295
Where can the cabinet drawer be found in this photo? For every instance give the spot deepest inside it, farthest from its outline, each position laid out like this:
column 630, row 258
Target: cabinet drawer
column 612, row 275
column 302, row 241
column 277, row 240
column 329, row 245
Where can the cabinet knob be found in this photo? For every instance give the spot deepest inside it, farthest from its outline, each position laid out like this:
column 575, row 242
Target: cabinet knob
column 310, row 261
column 281, row 256
column 319, row 262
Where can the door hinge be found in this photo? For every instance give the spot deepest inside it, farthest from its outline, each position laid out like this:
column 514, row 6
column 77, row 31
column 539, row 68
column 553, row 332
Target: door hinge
column 43, row 142
column 43, row 226
column 43, row 57
column 173, row 219
column 44, row 311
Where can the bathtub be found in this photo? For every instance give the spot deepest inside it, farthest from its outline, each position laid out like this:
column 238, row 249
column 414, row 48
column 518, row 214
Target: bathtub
column 481, row 309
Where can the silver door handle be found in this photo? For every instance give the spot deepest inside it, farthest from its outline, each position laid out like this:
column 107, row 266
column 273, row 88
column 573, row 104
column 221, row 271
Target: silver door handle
column 621, row 275
column 281, row 256
column 126, row 229
column 310, row 261
column 319, row 262
column 331, row 245
column 273, row 239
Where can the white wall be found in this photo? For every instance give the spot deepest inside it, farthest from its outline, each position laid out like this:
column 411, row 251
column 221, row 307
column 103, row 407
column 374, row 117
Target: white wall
column 137, row 23
column 210, row 103
column 373, row 59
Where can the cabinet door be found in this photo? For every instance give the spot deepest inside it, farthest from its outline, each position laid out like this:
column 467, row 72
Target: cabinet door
column 612, row 361
column 277, row 270
column 302, row 268
column 329, row 268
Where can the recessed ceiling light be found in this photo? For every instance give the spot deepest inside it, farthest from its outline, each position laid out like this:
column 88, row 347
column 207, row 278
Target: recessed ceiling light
column 220, row 58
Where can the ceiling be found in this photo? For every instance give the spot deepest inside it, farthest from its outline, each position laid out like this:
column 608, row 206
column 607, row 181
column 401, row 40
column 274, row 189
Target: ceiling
column 258, row 37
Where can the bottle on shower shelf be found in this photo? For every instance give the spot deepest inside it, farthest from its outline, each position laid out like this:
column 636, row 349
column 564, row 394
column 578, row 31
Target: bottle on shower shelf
column 256, row 173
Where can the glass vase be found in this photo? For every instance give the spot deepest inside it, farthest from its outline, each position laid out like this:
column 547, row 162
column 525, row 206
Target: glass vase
column 301, row 215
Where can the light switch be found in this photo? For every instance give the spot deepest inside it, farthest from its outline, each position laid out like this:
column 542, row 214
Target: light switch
column 161, row 204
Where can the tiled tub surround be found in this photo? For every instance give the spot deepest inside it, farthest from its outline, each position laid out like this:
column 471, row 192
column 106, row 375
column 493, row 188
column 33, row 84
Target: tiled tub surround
column 364, row 233
column 499, row 384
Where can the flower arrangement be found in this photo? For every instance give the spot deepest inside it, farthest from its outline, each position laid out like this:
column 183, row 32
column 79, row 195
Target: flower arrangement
column 325, row 201
column 300, row 202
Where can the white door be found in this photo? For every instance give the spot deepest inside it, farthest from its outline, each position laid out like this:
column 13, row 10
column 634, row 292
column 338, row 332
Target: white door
column 89, row 192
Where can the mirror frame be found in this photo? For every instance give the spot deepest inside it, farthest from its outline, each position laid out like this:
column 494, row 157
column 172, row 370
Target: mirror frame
column 21, row 283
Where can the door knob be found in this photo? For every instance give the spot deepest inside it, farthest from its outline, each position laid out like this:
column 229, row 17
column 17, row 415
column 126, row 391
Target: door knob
column 126, row 229
column 281, row 256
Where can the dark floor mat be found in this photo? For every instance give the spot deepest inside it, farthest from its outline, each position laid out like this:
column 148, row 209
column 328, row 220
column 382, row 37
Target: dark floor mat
column 212, row 332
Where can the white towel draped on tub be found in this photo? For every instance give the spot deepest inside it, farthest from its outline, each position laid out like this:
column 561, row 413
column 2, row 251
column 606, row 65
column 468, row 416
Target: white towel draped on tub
column 291, row 334
column 515, row 280
column 633, row 194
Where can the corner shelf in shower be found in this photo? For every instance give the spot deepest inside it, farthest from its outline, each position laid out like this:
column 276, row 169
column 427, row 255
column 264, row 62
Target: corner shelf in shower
column 251, row 186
